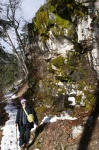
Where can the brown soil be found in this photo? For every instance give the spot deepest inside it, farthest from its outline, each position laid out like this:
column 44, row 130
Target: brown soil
column 57, row 136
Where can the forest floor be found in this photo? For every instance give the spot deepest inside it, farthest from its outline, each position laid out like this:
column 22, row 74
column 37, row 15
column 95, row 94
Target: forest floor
column 58, row 135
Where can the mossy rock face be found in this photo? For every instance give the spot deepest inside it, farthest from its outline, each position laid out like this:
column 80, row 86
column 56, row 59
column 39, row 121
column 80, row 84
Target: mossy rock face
column 63, row 27
column 41, row 21
column 69, row 71
column 65, row 15
column 75, row 68
column 51, row 88
column 57, row 62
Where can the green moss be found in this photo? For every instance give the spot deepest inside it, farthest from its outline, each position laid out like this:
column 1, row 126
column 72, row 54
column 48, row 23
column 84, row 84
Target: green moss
column 62, row 24
column 88, row 106
column 90, row 97
column 57, row 62
column 51, row 8
column 78, row 99
column 41, row 22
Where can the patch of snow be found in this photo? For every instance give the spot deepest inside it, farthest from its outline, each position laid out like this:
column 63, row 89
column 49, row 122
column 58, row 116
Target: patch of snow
column 8, row 94
column 54, row 119
column 72, row 99
column 54, row 68
column 46, row 119
column 16, row 87
column 72, row 93
column 19, row 81
column 64, row 116
column 76, row 131
column 14, row 96
column 60, row 84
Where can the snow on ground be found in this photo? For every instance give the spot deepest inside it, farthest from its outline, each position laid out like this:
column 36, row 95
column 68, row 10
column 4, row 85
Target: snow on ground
column 63, row 116
column 10, row 132
column 10, row 138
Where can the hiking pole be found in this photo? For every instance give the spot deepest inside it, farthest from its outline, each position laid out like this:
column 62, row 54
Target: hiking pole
column 16, row 138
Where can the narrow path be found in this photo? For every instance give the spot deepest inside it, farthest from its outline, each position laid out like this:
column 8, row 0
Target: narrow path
column 9, row 132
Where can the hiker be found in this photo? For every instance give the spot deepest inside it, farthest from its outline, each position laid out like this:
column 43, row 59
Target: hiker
column 23, row 124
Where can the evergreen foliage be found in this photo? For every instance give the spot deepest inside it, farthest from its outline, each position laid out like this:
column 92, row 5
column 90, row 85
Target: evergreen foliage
column 9, row 69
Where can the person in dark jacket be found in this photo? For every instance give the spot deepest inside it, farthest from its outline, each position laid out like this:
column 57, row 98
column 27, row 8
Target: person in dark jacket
column 23, row 125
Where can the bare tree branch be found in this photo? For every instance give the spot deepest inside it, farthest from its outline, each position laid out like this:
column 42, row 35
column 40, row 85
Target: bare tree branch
column 11, row 8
